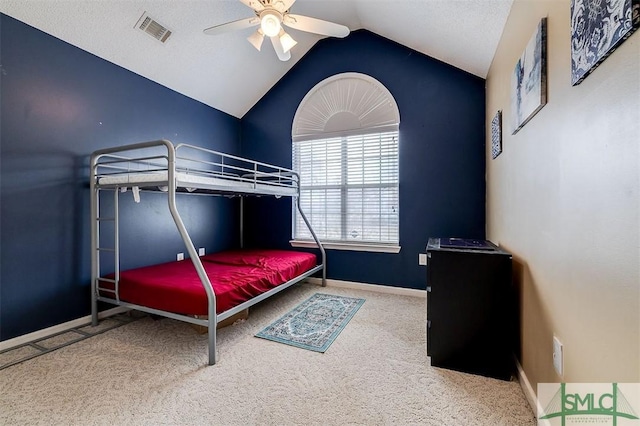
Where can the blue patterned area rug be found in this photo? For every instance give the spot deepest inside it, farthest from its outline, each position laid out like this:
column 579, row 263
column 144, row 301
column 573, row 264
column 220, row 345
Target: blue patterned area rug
column 315, row 323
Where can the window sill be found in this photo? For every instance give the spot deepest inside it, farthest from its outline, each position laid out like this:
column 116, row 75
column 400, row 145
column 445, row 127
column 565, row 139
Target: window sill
column 376, row 248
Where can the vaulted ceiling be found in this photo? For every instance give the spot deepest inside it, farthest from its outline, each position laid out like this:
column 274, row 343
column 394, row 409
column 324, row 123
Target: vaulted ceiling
column 225, row 71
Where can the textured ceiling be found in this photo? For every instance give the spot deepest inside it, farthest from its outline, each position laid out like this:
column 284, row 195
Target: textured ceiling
column 225, row 71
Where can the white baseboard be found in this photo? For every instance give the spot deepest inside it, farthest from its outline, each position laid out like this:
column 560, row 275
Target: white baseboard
column 46, row 332
column 529, row 393
column 371, row 287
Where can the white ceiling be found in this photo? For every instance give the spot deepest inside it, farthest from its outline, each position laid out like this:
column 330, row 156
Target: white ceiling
column 225, row 71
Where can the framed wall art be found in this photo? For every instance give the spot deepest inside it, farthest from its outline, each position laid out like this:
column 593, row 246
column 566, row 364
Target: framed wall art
column 496, row 135
column 529, row 79
column 598, row 27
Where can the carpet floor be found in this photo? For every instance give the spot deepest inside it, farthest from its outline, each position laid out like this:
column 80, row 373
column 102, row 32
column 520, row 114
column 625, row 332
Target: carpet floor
column 153, row 372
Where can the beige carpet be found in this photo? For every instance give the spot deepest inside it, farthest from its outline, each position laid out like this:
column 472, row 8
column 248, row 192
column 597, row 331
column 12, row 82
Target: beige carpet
column 154, row 373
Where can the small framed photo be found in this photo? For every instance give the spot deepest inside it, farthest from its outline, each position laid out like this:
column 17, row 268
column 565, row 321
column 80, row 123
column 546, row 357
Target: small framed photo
column 496, row 135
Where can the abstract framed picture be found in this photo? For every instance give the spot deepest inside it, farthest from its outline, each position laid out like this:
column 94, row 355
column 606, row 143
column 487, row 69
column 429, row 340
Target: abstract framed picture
column 598, row 27
column 529, row 79
column 496, row 135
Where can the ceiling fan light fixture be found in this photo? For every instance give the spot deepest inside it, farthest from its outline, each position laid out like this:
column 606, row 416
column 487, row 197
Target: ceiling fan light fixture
column 270, row 16
column 287, row 42
column 256, row 39
column 270, row 23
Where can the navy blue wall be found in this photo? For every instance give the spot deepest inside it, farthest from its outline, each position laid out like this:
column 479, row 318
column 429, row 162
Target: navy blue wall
column 58, row 104
column 442, row 159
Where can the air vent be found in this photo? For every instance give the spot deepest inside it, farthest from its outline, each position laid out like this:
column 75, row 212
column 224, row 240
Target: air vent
column 153, row 28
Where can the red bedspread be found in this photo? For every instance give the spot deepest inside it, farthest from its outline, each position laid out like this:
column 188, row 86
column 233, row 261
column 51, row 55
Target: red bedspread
column 236, row 276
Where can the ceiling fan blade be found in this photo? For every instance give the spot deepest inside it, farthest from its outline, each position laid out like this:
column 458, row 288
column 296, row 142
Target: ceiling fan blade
column 240, row 24
column 277, row 46
column 313, row 25
column 253, row 4
column 283, row 5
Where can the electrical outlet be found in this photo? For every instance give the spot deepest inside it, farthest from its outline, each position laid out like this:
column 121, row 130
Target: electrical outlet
column 201, row 251
column 558, row 355
column 422, row 259
column 180, row 256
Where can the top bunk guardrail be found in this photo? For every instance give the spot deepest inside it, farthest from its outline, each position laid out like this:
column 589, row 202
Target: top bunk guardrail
column 150, row 165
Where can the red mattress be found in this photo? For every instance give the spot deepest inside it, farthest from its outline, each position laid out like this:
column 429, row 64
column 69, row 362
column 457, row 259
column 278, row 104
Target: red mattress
column 236, row 276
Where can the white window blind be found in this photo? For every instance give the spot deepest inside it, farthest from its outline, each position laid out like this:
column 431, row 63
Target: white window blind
column 349, row 188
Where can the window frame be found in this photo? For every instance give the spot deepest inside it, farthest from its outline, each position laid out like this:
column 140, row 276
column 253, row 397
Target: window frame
column 343, row 106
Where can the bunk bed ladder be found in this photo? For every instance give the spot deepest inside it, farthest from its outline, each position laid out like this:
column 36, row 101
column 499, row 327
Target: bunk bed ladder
column 98, row 250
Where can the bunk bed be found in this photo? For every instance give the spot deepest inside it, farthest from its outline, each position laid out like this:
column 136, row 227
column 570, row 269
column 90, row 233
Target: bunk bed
column 207, row 289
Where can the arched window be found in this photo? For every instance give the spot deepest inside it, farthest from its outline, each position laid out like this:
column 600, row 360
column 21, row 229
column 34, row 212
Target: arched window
column 345, row 147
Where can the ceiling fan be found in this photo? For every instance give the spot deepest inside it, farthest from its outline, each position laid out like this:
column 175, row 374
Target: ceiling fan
column 271, row 15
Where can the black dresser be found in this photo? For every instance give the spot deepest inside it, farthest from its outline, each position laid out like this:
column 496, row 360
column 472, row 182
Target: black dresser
column 470, row 307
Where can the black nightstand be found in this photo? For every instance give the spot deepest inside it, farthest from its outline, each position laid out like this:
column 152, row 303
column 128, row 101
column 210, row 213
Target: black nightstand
column 470, row 307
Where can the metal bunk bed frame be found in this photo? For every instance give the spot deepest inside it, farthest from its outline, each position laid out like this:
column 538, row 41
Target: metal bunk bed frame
column 255, row 182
